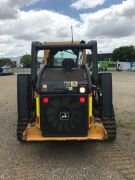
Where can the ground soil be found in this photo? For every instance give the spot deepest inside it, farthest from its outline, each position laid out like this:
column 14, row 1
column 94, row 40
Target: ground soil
column 69, row 160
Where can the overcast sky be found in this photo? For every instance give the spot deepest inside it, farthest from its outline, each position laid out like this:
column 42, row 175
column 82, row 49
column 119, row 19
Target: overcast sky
column 110, row 22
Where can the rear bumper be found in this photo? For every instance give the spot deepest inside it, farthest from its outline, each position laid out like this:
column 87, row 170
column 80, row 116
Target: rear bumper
column 96, row 131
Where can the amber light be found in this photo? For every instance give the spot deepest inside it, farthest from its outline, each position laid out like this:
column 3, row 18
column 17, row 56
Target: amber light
column 82, row 99
column 45, row 100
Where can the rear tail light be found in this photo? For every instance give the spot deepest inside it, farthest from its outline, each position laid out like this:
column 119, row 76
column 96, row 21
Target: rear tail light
column 82, row 100
column 45, row 100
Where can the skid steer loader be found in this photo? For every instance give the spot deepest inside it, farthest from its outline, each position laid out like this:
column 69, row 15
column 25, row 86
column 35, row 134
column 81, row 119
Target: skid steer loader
column 64, row 100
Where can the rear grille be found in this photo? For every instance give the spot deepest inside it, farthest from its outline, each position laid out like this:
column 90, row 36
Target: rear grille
column 64, row 115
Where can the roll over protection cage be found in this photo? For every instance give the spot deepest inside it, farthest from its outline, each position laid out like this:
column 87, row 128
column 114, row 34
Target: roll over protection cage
column 37, row 46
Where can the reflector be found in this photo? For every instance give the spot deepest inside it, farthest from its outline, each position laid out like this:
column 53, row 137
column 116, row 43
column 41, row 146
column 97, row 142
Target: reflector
column 82, row 99
column 45, row 100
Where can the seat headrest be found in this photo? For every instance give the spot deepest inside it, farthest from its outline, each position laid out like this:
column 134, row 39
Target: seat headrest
column 68, row 63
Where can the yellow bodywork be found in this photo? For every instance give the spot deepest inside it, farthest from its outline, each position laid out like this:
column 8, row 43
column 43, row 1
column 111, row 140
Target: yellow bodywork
column 96, row 132
column 37, row 106
column 37, row 111
column 90, row 108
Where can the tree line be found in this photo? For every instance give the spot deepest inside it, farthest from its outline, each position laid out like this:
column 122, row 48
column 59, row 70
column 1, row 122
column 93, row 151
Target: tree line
column 124, row 53
column 5, row 61
column 25, row 60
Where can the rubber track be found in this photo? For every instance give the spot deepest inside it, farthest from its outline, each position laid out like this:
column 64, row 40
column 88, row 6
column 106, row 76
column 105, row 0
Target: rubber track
column 21, row 126
column 120, row 160
column 110, row 126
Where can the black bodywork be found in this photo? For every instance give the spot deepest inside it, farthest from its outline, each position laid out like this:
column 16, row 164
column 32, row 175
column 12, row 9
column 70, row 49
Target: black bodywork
column 62, row 90
column 37, row 46
column 74, row 124
column 64, row 99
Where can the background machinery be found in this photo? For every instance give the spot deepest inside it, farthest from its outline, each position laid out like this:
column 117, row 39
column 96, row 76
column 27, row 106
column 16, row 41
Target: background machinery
column 64, row 100
column 5, row 72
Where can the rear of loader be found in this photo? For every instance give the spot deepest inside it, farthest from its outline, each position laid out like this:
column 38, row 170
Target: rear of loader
column 65, row 101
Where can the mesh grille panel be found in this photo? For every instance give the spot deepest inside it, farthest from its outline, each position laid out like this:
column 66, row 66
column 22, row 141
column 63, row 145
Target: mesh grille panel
column 64, row 116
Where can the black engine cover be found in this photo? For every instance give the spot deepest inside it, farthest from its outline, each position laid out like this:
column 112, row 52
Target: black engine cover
column 64, row 115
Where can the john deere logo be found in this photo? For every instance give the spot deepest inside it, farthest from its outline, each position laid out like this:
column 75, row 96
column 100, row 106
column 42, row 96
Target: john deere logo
column 64, row 115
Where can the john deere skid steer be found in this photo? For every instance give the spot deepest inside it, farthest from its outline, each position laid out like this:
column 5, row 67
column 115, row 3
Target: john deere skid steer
column 64, row 100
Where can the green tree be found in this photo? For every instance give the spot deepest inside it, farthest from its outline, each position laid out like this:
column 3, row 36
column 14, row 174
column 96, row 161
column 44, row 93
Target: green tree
column 124, row 53
column 26, row 60
column 5, row 61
